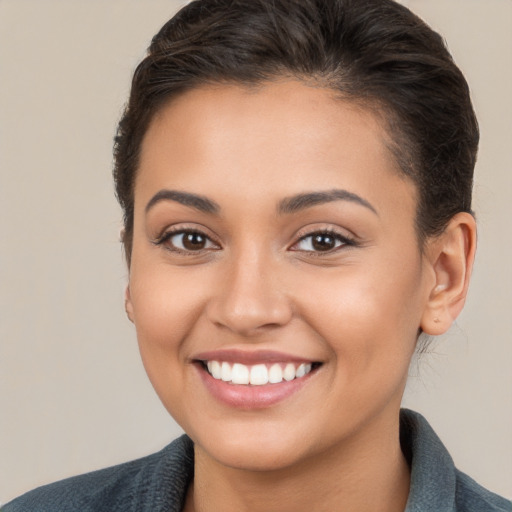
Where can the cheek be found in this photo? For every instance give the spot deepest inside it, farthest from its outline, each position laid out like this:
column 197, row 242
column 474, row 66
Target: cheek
column 166, row 308
column 366, row 316
column 164, row 302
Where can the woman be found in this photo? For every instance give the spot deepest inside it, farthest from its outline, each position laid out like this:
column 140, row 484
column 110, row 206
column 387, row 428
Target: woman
column 296, row 184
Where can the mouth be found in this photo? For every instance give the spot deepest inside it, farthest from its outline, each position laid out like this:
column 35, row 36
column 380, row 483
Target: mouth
column 253, row 379
column 260, row 374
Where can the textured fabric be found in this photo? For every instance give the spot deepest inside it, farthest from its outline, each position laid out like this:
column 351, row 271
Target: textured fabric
column 436, row 485
column 156, row 483
column 159, row 482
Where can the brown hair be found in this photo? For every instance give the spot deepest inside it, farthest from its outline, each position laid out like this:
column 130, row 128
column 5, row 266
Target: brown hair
column 372, row 51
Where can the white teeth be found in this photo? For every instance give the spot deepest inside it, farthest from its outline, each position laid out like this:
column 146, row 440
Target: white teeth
column 239, row 374
column 275, row 374
column 215, row 369
column 225, row 374
column 289, row 372
column 258, row 374
column 301, row 371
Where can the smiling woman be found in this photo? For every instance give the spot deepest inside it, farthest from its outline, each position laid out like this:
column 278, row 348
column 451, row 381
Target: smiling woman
column 302, row 277
column 296, row 180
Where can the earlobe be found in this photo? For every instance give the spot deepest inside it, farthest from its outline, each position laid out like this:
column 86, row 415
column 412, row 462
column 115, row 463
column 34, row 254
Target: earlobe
column 128, row 306
column 451, row 256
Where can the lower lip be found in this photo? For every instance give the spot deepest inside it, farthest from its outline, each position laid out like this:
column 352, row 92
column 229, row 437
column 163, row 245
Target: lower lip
column 251, row 397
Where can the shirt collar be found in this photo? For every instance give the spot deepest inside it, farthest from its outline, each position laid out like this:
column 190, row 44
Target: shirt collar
column 433, row 476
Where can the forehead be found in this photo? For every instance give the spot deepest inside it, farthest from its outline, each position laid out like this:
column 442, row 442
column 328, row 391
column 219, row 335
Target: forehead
column 282, row 137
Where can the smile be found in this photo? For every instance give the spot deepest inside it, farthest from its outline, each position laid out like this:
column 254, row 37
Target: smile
column 256, row 379
column 257, row 374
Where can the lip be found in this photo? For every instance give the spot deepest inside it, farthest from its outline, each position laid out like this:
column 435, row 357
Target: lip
column 246, row 396
column 249, row 357
column 251, row 397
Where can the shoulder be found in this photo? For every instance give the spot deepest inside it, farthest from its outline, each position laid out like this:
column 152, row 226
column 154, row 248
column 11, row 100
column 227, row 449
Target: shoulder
column 150, row 483
column 472, row 497
column 436, row 484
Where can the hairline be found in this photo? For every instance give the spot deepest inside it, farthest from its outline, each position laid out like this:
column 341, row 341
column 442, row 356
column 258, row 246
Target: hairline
column 387, row 118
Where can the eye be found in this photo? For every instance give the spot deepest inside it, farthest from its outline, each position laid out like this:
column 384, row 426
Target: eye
column 322, row 241
column 187, row 241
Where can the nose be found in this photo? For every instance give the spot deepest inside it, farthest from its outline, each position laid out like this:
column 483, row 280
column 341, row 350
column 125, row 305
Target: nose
column 250, row 298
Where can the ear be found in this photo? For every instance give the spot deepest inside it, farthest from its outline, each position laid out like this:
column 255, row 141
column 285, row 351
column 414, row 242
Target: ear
column 451, row 256
column 128, row 306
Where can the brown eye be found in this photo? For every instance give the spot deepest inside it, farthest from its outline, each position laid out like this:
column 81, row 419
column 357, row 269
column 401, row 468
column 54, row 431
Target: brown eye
column 323, row 242
column 188, row 241
column 193, row 241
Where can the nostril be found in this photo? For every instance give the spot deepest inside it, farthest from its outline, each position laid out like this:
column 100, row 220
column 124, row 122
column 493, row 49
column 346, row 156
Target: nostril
column 246, row 315
column 248, row 296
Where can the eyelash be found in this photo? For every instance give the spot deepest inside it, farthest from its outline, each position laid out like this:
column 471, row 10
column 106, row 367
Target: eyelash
column 166, row 237
column 343, row 240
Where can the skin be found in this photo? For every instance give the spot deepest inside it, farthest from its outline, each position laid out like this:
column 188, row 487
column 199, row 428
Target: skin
column 257, row 285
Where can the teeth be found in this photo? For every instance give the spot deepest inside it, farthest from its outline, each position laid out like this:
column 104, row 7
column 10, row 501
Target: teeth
column 275, row 374
column 259, row 375
column 301, row 371
column 225, row 372
column 239, row 374
column 215, row 369
column 289, row 372
column 256, row 375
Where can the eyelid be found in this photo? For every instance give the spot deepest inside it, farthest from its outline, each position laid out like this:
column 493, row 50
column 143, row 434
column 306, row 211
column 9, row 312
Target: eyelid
column 347, row 240
column 170, row 231
column 166, row 234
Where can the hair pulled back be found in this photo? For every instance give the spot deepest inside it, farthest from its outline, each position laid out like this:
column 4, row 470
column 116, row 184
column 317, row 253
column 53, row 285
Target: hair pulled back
column 375, row 52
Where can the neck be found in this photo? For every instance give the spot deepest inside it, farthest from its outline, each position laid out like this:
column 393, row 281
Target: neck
column 365, row 473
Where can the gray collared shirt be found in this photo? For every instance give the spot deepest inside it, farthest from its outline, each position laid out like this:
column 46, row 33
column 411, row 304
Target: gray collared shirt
column 436, row 485
column 158, row 483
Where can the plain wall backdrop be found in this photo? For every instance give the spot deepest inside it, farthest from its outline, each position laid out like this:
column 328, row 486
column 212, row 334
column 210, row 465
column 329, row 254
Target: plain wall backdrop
column 73, row 393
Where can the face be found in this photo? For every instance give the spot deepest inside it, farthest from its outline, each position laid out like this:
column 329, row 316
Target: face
column 276, row 282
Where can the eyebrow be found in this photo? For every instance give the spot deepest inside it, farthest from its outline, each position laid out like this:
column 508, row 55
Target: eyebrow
column 200, row 203
column 307, row 200
column 286, row 206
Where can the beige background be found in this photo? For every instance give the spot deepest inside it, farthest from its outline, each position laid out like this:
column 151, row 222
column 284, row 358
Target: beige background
column 73, row 394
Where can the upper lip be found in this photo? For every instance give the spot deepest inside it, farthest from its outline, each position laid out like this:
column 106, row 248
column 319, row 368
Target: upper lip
column 250, row 357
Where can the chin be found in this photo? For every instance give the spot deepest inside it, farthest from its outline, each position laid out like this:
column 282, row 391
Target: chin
column 252, row 457
column 254, row 449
